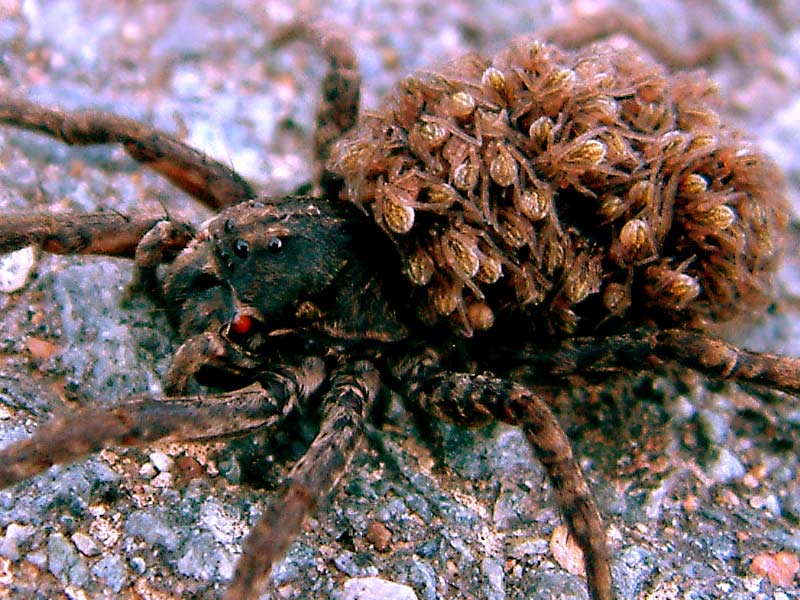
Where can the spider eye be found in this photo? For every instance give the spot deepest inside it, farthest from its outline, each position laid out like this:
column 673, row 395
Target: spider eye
column 241, row 324
column 241, row 248
column 274, row 244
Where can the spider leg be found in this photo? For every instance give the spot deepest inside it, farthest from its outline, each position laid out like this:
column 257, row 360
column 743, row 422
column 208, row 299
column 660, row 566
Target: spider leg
column 345, row 407
column 162, row 243
column 606, row 22
column 150, row 240
column 207, row 180
column 711, row 356
column 341, row 88
column 107, row 233
column 473, row 399
column 720, row 359
column 144, row 420
column 208, row 349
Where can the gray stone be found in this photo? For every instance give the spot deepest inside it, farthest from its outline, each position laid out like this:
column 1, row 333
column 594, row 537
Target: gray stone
column 85, row 544
column 632, row 570
column 714, row 426
column 64, row 562
column 726, row 468
column 494, row 589
column 557, row 586
column 111, row 570
column 15, row 535
column 153, row 526
column 423, row 578
column 205, row 559
column 374, row 588
column 215, row 520
column 161, row 461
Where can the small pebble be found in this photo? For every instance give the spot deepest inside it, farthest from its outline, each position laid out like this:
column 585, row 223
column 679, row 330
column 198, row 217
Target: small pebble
column 189, row 468
column 779, row 568
column 138, row 564
column 566, row 551
column 85, row 544
column 15, row 268
column 375, row 588
column 379, row 536
column 147, row 471
column 162, row 480
column 161, row 461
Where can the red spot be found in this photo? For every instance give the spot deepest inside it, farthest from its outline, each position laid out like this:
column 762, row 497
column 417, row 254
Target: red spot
column 241, row 324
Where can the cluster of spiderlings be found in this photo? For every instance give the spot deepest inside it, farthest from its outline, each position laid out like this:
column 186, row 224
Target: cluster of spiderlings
column 580, row 188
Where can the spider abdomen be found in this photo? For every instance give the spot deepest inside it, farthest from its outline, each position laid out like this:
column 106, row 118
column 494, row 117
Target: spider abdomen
column 573, row 188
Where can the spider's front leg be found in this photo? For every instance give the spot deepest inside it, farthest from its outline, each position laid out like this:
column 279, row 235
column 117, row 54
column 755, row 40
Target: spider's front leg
column 149, row 239
column 147, row 419
column 100, row 233
column 205, row 179
column 474, row 399
column 345, row 407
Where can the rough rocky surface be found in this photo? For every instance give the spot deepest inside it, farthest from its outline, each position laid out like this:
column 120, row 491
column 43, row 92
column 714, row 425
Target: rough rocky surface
column 700, row 493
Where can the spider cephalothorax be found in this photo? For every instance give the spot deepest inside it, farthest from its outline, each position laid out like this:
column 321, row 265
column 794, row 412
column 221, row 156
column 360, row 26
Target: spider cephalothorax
column 488, row 214
column 264, row 272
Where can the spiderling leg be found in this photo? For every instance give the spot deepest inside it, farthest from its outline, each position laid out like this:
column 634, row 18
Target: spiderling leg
column 345, row 407
column 207, row 180
column 143, row 420
column 473, row 399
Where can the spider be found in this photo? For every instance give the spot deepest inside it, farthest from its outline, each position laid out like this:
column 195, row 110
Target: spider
column 286, row 293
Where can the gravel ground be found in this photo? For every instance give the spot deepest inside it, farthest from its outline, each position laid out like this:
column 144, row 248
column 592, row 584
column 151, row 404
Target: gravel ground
column 700, row 492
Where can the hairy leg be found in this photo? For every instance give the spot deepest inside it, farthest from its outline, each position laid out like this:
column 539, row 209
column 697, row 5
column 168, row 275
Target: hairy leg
column 208, row 349
column 207, row 180
column 637, row 351
column 144, row 420
column 603, row 23
column 149, row 239
column 472, row 399
column 107, row 233
column 345, row 408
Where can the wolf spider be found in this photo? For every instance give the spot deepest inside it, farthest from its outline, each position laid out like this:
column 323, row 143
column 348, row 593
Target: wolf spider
column 285, row 302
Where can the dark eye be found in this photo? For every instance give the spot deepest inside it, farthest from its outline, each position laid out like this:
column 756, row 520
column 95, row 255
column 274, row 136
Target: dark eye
column 274, row 244
column 241, row 248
